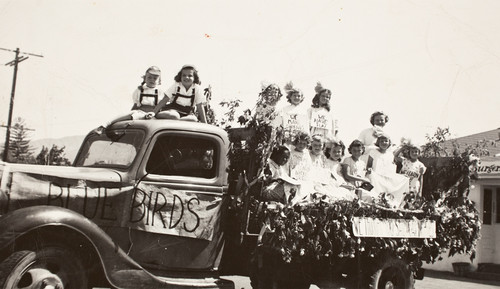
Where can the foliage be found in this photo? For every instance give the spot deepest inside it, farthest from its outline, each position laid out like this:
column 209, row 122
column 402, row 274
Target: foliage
column 435, row 143
column 324, row 230
column 209, row 111
column 436, row 146
column 20, row 150
column 480, row 148
column 228, row 117
column 54, row 157
column 250, row 153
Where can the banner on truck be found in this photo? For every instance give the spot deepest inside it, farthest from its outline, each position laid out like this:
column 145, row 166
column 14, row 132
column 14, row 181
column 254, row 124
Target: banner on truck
column 149, row 208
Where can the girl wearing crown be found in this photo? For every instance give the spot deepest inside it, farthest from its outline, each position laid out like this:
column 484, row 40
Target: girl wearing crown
column 321, row 119
column 293, row 118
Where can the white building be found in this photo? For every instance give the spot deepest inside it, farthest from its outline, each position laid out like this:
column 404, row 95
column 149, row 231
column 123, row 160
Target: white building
column 485, row 192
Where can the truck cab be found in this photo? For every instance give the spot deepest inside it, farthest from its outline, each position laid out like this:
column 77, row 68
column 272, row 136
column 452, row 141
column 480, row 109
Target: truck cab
column 140, row 208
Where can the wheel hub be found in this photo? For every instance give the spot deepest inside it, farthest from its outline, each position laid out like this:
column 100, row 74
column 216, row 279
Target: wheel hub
column 42, row 279
column 389, row 285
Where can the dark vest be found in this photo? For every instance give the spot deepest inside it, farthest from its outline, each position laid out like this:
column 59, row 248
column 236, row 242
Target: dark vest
column 181, row 109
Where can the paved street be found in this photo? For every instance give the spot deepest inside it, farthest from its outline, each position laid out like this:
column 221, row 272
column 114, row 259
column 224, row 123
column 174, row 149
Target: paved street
column 432, row 280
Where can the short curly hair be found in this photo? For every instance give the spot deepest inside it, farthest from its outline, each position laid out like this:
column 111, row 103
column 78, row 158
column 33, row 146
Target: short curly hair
column 278, row 152
column 334, row 144
column 178, row 77
column 377, row 113
column 301, row 136
column 356, row 143
column 377, row 142
column 292, row 92
column 315, row 100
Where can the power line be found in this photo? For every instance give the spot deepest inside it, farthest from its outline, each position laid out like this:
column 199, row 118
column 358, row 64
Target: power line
column 14, row 63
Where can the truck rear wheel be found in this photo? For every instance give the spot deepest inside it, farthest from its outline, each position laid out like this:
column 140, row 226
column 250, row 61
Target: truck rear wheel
column 392, row 273
column 50, row 268
column 269, row 271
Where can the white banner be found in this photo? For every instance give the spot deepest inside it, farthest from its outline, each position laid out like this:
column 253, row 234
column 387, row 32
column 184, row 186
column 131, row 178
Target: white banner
column 393, row 228
column 321, row 119
column 147, row 208
column 165, row 211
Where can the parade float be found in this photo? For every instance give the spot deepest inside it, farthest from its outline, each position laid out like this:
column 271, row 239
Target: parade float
column 348, row 241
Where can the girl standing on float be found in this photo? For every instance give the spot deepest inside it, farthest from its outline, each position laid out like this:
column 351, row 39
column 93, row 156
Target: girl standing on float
column 368, row 136
column 293, row 118
column 411, row 166
column 321, row 119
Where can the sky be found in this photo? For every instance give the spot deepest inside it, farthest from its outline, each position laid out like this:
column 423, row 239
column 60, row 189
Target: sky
column 427, row 64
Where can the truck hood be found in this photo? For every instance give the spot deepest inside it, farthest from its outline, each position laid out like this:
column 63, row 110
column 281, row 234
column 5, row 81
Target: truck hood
column 65, row 172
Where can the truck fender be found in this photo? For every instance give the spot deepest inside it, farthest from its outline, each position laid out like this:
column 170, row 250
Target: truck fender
column 120, row 270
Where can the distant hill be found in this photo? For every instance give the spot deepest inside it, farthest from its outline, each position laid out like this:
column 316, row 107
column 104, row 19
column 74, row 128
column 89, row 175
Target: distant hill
column 71, row 144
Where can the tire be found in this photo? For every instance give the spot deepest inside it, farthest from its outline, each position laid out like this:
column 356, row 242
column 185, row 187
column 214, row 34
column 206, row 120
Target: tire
column 48, row 267
column 392, row 273
column 260, row 278
column 268, row 271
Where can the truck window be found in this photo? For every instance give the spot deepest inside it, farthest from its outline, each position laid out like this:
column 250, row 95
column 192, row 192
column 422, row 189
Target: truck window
column 101, row 151
column 175, row 155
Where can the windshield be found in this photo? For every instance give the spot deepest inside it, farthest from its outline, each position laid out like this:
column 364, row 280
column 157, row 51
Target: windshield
column 119, row 152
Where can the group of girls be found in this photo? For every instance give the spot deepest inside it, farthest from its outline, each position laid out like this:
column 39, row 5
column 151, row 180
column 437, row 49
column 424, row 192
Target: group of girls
column 311, row 160
column 184, row 99
column 318, row 119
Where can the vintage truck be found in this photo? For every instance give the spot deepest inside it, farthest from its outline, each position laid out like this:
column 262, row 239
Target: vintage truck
column 147, row 204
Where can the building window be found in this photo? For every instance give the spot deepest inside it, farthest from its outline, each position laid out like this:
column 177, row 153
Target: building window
column 491, row 201
column 487, row 206
column 496, row 206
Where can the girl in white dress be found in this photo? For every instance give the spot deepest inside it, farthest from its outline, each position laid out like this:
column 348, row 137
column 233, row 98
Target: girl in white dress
column 383, row 174
column 300, row 163
column 368, row 136
column 340, row 189
column 355, row 172
column 279, row 186
column 292, row 118
column 411, row 167
column 321, row 118
column 319, row 172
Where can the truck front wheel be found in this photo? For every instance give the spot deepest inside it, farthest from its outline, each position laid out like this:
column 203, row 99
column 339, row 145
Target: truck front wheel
column 50, row 267
column 392, row 273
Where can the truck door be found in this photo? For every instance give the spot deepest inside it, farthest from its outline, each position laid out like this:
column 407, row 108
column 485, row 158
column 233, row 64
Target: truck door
column 176, row 206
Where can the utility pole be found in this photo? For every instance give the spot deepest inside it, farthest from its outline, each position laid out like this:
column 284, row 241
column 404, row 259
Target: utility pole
column 12, row 94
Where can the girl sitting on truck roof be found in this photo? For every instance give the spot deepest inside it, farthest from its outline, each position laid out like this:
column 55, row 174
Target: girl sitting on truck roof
column 185, row 95
column 145, row 97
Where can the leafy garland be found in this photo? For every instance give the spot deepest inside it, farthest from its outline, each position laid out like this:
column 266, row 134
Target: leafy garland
column 322, row 229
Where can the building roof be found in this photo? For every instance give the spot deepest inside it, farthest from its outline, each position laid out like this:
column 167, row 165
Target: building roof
column 490, row 140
